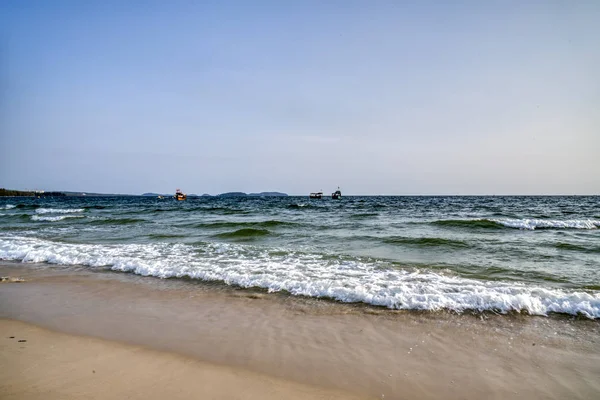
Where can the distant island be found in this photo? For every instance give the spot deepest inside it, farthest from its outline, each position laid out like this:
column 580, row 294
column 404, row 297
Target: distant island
column 261, row 194
column 227, row 194
column 42, row 193
column 27, row 193
column 155, row 194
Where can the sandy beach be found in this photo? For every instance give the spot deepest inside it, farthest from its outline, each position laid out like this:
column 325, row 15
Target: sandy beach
column 51, row 365
column 152, row 338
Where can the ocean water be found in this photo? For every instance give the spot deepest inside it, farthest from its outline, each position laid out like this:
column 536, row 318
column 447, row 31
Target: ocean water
column 534, row 255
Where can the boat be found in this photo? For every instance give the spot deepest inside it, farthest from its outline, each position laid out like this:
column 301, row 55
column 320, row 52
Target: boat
column 316, row 195
column 179, row 195
column 160, row 197
column 337, row 195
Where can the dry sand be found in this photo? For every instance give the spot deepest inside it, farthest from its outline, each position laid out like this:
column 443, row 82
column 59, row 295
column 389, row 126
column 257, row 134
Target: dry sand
column 305, row 347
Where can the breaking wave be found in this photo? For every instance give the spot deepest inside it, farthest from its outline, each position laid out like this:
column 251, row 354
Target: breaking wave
column 531, row 224
column 525, row 223
column 310, row 274
column 58, row 210
column 53, row 218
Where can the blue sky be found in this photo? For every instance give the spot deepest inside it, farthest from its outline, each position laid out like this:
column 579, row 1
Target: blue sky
column 378, row 97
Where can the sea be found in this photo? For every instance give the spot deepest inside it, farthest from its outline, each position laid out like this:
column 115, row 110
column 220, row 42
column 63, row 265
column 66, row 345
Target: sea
column 527, row 255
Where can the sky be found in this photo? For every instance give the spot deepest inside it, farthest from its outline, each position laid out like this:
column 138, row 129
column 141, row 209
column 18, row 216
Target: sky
column 377, row 97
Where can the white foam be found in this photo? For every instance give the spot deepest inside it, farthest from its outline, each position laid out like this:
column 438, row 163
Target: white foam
column 315, row 275
column 53, row 218
column 58, row 210
column 7, row 207
column 531, row 224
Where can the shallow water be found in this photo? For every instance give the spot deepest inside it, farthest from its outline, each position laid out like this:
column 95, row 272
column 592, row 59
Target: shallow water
column 534, row 254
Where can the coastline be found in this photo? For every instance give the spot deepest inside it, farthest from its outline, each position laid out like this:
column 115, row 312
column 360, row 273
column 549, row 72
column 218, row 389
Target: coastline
column 330, row 347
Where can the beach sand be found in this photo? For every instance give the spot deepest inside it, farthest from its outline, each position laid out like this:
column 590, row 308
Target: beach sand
column 41, row 364
column 173, row 338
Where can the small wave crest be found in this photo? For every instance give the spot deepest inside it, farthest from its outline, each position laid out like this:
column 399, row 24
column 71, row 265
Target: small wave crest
column 532, row 224
column 117, row 221
column 27, row 206
column 425, row 242
column 364, row 215
column 241, row 224
column 7, row 207
column 575, row 247
column 468, row 223
column 59, row 210
column 525, row 223
column 165, row 236
column 53, row 218
column 245, row 233
column 297, row 206
column 310, row 274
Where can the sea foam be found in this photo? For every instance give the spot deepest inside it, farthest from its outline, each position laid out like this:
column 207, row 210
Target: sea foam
column 316, row 275
column 7, row 207
column 531, row 224
column 523, row 223
column 58, row 210
column 53, row 218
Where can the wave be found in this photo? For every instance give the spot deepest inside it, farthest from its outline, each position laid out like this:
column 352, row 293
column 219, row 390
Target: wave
column 575, row 247
column 53, row 218
column 425, row 242
column 244, row 233
column 310, row 274
column 219, row 210
column 27, row 206
column 117, row 221
column 468, row 223
column 531, row 224
column 526, row 224
column 232, row 224
column 364, row 215
column 298, row 206
column 7, row 207
column 165, row 235
column 59, row 210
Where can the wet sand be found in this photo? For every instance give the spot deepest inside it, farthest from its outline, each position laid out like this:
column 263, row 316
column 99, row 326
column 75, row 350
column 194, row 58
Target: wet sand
column 50, row 365
column 316, row 344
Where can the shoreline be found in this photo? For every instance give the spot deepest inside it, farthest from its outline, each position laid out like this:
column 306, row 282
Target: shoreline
column 339, row 347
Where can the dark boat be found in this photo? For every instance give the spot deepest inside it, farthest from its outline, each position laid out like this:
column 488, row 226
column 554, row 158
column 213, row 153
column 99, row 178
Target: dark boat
column 337, row 195
column 179, row 195
column 317, row 195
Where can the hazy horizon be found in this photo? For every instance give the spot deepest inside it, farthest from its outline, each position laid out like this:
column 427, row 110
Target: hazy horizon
column 424, row 98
